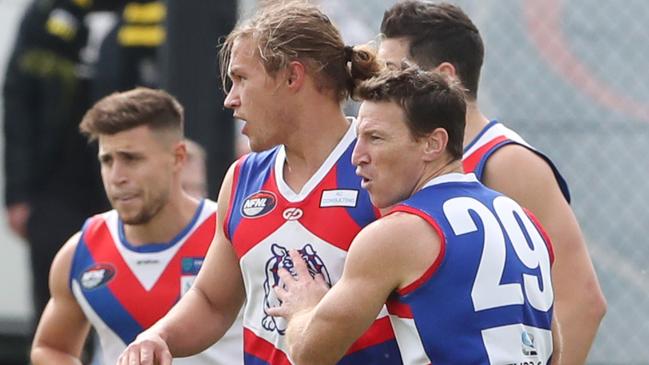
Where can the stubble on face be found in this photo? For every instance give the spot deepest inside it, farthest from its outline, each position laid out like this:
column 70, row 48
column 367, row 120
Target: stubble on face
column 148, row 211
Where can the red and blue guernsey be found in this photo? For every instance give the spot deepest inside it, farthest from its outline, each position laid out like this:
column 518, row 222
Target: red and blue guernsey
column 492, row 137
column 124, row 289
column 487, row 298
column 266, row 219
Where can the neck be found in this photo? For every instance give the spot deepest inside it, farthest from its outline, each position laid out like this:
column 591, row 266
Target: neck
column 475, row 122
column 321, row 128
column 449, row 166
column 165, row 225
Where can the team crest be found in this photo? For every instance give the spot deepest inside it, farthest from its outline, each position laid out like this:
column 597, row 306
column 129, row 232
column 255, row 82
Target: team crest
column 96, row 275
column 281, row 259
column 258, row 204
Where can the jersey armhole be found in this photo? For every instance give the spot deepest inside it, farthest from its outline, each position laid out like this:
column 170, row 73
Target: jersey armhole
column 482, row 164
column 440, row 257
column 87, row 226
column 561, row 181
column 233, row 191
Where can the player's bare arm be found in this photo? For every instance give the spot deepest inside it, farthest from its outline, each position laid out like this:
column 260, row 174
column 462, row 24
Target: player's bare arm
column 63, row 327
column 322, row 333
column 579, row 301
column 205, row 313
column 557, row 343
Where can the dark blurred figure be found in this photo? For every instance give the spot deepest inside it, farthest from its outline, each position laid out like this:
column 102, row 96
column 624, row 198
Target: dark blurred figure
column 128, row 56
column 51, row 172
column 173, row 45
column 189, row 70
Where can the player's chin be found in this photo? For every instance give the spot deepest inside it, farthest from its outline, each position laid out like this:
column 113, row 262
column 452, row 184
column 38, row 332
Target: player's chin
column 131, row 217
column 259, row 146
column 382, row 200
column 377, row 200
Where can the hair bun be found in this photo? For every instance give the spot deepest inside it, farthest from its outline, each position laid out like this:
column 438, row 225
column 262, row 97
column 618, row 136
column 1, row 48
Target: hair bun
column 349, row 53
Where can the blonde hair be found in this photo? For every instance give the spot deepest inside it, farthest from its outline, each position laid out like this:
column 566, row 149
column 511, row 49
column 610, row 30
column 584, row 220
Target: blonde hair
column 284, row 31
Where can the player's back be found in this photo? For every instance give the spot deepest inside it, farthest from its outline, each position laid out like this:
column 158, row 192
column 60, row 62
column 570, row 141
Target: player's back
column 488, row 297
column 266, row 219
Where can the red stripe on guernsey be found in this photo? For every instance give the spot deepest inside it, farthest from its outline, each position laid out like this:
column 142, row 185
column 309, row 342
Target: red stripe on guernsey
column 399, row 309
column 95, row 226
column 250, row 232
column 262, row 349
column 472, row 161
column 544, row 234
column 233, row 191
column 379, row 332
column 442, row 248
column 346, row 227
column 147, row 307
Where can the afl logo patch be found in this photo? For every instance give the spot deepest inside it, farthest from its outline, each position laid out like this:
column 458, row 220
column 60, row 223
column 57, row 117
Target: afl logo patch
column 258, row 204
column 97, row 275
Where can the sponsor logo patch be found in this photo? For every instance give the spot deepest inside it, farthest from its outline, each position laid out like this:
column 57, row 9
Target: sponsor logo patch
column 191, row 265
column 147, row 262
column 339, row 198
column 292, row 214
column 258, row 204
column 97, row 275
column 528, row 347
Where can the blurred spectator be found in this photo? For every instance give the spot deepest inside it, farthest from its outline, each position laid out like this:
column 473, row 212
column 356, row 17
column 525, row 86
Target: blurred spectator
column 128, row 56
column 51, row 172
column 189, row 70
column 193, row 177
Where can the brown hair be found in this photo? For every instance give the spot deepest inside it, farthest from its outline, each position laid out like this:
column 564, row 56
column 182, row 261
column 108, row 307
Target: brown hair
column 284, row 31
column 429, row 100
column 438, row 33
column 122, row 111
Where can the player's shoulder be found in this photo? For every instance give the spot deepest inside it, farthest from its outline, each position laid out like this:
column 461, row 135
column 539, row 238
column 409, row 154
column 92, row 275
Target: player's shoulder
column 401, row 245
column 70, row 245
column 522, row 175
column 514, row 160
column 260, row 159
column 62, row 263
column 397, row 228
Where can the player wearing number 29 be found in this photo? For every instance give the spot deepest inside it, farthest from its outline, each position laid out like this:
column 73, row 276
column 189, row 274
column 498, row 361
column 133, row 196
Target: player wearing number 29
column 464, row 270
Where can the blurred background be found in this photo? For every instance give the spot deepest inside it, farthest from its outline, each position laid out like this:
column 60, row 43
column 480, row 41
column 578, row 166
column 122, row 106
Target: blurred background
column 569, row 76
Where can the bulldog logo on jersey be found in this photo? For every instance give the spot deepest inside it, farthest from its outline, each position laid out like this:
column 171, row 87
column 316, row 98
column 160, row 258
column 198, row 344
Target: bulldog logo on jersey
column 258, row 204
column 96, row 275
column 282, row 259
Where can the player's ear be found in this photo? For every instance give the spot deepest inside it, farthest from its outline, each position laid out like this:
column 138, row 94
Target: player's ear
column 296, row 73
column 434, row 144
column 447, row 68
column 179, row 154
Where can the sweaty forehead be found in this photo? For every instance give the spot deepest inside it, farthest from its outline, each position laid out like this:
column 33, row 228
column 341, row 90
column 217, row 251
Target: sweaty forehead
column 369, row 117
column 379, row 115
column 136, row 139
column 243, row 51
column 109, row 146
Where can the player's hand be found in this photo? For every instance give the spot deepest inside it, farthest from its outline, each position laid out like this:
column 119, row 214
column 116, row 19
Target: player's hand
column 147, row 349
column 18, row 215
column 301, row 292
